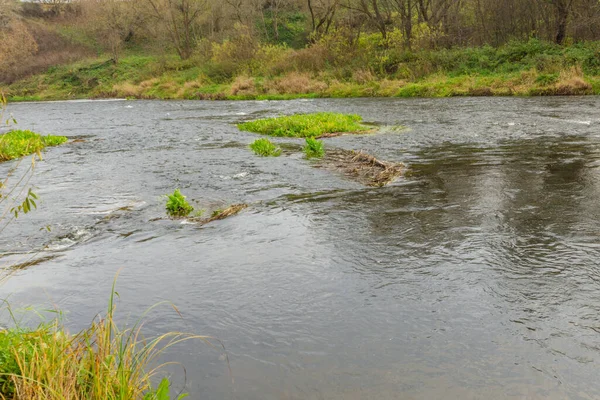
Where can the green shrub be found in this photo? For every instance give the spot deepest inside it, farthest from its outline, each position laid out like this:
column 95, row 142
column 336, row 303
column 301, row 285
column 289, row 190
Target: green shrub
column 18, row 143
column 314, row 148
column 265, row 148
column 546, row 79
column 177, row 205
column 306, row 125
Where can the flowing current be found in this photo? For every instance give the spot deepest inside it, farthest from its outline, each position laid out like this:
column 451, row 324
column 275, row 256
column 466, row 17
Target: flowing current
column 475, row 276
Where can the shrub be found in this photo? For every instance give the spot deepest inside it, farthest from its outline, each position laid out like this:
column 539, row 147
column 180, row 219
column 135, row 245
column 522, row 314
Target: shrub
column 296, row 83
column 306, row 125
column 177, row 205
column 269, row 59
column 265, row 148
column 314, row 148
column 243, row 85
column 546, row 79
column 309, row 59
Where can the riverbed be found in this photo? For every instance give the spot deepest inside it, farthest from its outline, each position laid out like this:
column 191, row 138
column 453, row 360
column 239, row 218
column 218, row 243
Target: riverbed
column 476, row 275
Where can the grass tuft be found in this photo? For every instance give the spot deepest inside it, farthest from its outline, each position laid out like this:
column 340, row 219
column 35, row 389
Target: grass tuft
column 314, row 148
column 101, row 362
column 265, row 148
column 306, row 125
column 177, row 205
column 19, row 143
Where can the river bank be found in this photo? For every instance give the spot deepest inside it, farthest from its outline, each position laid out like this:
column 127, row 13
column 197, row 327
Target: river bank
column 531, row 68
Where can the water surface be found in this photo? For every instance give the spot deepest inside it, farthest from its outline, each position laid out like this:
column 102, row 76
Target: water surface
column 476, row 276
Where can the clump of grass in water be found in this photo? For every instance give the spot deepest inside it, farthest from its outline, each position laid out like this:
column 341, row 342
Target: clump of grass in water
column 177, row 205
column 306, row 125
column 265, row 148
column 98, row 363
column 314, row 148
column 19, row 143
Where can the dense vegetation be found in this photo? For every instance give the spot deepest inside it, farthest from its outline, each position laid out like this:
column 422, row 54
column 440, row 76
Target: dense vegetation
column 291, row 48
column 99, row 363
column 306, row 125
column 265, row 148
column 18, row 143
column 314, row 148
column 177, row 206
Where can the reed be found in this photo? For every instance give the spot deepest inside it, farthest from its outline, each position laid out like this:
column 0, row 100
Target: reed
column 101, row 362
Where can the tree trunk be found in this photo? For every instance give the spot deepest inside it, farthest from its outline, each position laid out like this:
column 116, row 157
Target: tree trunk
column 562, row 16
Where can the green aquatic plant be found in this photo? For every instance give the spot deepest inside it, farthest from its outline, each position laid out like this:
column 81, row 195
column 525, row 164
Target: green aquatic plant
column 314, row 148
column 18, row 143
column 177, row 205
column 265, row 148
column 306, row 125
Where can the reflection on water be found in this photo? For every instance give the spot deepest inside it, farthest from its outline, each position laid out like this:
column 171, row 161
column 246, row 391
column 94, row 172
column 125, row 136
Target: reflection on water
column 476, row 276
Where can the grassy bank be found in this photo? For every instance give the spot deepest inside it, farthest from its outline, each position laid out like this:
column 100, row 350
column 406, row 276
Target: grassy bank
column 276, row 72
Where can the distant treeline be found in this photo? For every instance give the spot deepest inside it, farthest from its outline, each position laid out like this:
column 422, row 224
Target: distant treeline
column 37, row 34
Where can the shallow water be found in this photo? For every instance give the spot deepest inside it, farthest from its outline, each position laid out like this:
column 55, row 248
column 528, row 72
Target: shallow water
column 475, row 276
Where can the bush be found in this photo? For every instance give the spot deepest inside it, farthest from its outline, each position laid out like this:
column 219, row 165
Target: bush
column 265, row 148
column 295, row 83
column 177, row 205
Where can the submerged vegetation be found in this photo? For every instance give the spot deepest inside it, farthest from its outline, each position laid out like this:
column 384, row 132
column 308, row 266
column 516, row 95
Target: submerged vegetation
column 222, row 213
column 265, row 148
column 18, row 143
column 314, row 148
column 363, row 167
column 99, row 363
column 177, row 205
column 306, row 125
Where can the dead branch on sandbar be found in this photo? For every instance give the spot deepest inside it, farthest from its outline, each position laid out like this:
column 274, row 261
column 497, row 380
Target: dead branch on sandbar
column 221, row 214
column 362, row 167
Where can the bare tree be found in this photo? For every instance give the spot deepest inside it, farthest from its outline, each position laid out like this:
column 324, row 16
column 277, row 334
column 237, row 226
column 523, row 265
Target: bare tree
column 111, row 21
column 322, row 14
column 180, row 20
column 377, row 12
column 563, row 11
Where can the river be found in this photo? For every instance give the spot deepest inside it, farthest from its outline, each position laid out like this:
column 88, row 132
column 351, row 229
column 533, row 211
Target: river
column 475, row 276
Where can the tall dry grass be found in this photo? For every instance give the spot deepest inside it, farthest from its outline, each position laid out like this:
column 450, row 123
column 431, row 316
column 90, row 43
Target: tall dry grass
column 102, row 362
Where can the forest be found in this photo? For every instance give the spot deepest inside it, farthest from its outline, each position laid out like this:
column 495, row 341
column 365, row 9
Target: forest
column 288, row 48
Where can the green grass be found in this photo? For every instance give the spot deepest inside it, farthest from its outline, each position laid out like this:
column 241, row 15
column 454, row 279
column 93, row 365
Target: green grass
column 386, row 72
column 13, row 342
column 101, row 362
column 18, row 143
column 177, row 206
column 265, row 148
column 314, row 148
column 306, row 125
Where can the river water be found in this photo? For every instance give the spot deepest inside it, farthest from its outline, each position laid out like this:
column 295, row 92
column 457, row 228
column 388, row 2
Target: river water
column 475, row 276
